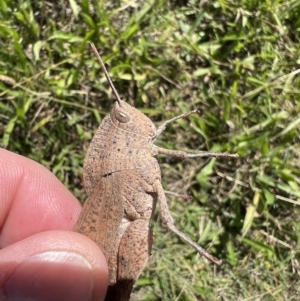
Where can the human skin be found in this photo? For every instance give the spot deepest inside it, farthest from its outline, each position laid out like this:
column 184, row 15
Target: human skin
column 41, row 258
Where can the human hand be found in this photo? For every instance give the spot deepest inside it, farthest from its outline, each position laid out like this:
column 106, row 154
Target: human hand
column 40, row 257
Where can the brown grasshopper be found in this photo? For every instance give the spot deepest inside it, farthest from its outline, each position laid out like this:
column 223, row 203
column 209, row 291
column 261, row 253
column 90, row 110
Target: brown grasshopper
column 122, row 179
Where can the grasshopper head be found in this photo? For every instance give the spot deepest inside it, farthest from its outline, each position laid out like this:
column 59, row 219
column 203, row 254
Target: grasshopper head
column 128, row 118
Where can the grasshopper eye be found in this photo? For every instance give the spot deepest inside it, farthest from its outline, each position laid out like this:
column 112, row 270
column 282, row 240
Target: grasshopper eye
column 122, row 117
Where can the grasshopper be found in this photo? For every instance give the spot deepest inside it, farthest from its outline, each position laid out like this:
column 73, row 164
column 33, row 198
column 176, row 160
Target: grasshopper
column 122, row 179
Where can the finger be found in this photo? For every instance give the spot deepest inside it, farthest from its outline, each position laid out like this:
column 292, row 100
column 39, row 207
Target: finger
column 32, row 200
column 53, row 265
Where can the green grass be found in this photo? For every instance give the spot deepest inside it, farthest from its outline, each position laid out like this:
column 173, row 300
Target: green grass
column 236, row 61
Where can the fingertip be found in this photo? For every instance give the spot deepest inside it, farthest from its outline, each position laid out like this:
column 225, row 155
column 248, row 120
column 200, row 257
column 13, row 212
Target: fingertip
column 54, row 265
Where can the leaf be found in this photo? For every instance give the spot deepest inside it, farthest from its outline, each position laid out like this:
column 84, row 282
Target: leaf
column 231, row 254
column 36, row 49
column 206, row 231
column 250, row 212
column 74, row 7
column 41, row 123
column 88, row 20
column 8, row 130
column 145, row 9
column 208, row 168
column 129, row 32
column 201, row 72
column 64, row 36
column 269, row 197
column 257, row 245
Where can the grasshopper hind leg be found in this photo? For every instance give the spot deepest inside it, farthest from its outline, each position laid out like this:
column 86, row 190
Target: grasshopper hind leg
column 134, row 251
column 168, row 221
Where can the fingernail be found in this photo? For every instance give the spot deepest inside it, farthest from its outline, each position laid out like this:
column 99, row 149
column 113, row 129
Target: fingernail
column 51, row 276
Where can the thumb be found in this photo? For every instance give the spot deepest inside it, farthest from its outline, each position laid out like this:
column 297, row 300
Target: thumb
column 53, row 265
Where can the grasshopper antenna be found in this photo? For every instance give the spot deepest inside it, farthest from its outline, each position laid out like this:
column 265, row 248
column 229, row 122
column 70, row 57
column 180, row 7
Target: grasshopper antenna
column 106, row 73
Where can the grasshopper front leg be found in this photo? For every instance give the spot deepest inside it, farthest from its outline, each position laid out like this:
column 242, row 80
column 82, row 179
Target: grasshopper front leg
column 181, row 154
column 168, row 221
column 163, row 126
